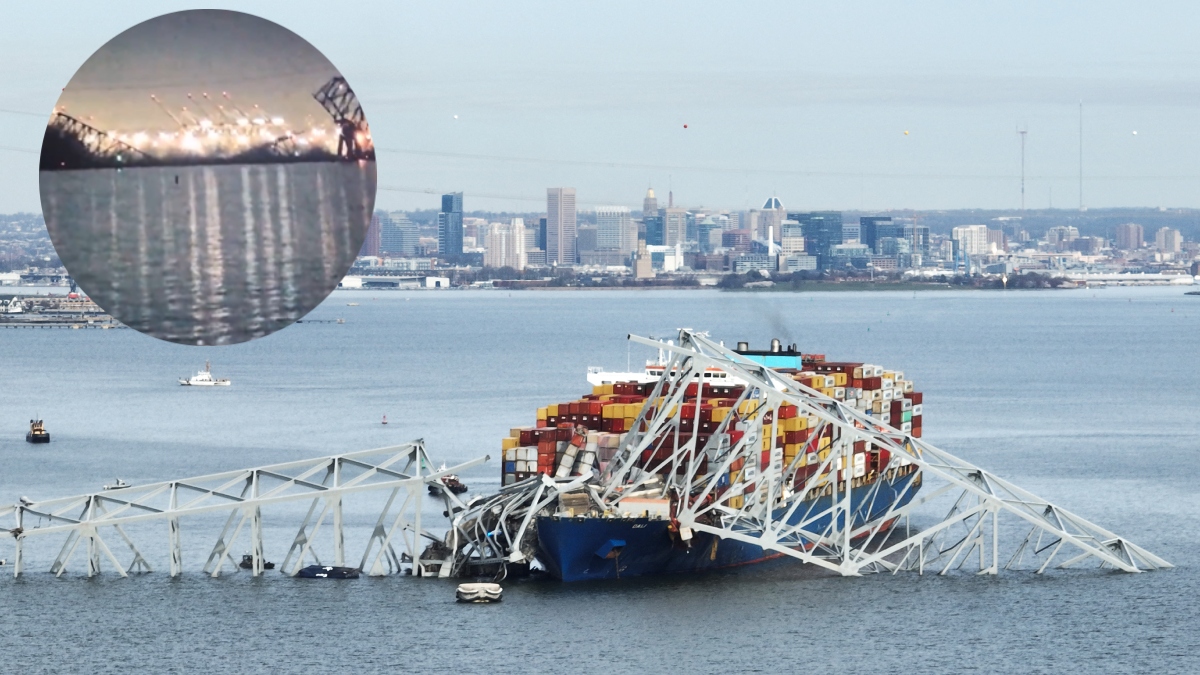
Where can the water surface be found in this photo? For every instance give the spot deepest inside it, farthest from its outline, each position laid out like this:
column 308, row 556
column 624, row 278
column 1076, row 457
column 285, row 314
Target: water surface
column 1085, row 397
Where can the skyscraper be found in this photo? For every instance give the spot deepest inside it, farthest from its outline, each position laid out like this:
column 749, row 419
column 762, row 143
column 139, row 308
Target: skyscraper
column 868, row 229
column 397, row 235
column 822, row 231
column 1130, row 236
column 654, row 230
column 371, row 241
column 505, row 245
column 560, row 226
column 1168, row 240
column 650, row 204
column 770, row 219
column 674, row 225
column 615, row 229
column 970, row 239
column 450, row 225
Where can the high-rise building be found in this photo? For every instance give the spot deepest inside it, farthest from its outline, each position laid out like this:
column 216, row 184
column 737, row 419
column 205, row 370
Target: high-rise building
column 1130, row 236
column 397, row 235
column 851, row 233
column 970, row 239
column 371, row 241
column 586, row 239
column 996, row 240
column 868, row 229
column 649, row 204
column 920, row 239
column 450, row 225
column 560, row 226
column 1059, row 238
column 1168, row 240
column 654, row 230
column 822, row 231
column 738, row 240
column 615, row 229
column 505, row 245
column 771, row 218
column 791, row 237
column 674, row 225
column 708, row 234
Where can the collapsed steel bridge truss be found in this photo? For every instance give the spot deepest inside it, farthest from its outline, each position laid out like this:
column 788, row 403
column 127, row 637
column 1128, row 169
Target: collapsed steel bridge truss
column 402, row 472
column 845, row 518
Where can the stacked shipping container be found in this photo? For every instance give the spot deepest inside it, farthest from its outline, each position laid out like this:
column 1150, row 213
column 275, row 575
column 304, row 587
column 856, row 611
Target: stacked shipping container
column 573, row 436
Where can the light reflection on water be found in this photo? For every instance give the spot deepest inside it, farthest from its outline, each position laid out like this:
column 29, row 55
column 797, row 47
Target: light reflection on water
column 212, row 254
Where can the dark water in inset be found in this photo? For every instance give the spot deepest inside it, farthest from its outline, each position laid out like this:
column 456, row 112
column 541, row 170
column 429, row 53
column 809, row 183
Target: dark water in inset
column 1087, row 398
column 207, row 255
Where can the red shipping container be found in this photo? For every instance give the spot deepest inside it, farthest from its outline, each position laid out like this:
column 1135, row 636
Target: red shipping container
column 788, row 411
column 916, row 397
column 870, row 383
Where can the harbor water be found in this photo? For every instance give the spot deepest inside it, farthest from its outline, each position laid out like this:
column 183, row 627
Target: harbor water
column 1085, row 397
column 205, row 255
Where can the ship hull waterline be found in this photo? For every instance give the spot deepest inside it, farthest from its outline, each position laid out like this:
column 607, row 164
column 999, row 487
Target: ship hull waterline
column 583, row 549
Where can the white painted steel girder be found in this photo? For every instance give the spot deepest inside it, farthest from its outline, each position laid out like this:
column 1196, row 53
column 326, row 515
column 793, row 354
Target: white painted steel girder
column 784, row 516
column 403, row 470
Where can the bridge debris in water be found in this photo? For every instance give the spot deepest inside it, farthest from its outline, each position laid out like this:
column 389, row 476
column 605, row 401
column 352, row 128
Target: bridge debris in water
column 402, row 473
column 731, row 486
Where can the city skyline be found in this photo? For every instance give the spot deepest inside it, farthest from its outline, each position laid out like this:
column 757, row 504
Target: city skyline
column 819, row 122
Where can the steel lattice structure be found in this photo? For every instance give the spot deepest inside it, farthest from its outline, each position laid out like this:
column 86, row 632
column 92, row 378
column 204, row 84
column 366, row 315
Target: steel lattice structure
column 98, row 143
column 339, row 101
column 403, row 472
column 818, row 516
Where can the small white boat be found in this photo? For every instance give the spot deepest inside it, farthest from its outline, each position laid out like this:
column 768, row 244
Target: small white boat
column 117, row 485
column 479, row 592
column 204, row 378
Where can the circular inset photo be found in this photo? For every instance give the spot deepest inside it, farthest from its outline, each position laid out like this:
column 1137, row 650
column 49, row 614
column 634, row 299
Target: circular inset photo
column 207, row 177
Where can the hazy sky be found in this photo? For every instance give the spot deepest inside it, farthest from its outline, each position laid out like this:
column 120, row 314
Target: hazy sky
column 807, row 101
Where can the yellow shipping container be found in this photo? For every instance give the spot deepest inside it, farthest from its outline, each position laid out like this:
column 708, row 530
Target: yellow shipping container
column 542, row 413
column 824, row 443
column 509, row 443
column 609, row 411
column 552, row 410
column 839, row 379
column 719, row 414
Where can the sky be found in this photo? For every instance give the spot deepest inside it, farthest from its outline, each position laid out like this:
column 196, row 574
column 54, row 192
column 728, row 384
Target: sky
column 808, row 101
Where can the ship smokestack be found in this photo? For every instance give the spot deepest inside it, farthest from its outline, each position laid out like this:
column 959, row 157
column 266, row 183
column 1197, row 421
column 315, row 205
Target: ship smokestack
column 743, row 347
column 775, row 346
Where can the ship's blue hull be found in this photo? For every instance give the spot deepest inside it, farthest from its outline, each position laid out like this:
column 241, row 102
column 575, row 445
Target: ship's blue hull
column 578, row 549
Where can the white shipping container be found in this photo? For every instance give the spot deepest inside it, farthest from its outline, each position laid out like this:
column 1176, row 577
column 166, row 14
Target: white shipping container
column 510, row 455
column 917, row 409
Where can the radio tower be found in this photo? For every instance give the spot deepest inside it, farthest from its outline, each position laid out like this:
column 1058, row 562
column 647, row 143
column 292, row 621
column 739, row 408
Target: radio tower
column 1022, row 132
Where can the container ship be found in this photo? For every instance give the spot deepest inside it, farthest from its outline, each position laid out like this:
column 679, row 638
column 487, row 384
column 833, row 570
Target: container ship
column 622, row 520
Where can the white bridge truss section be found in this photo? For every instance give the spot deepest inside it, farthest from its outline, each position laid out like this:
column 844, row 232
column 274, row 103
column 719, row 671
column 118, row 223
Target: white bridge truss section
column 848, row 519
column 822, row 520
column 98, row 519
